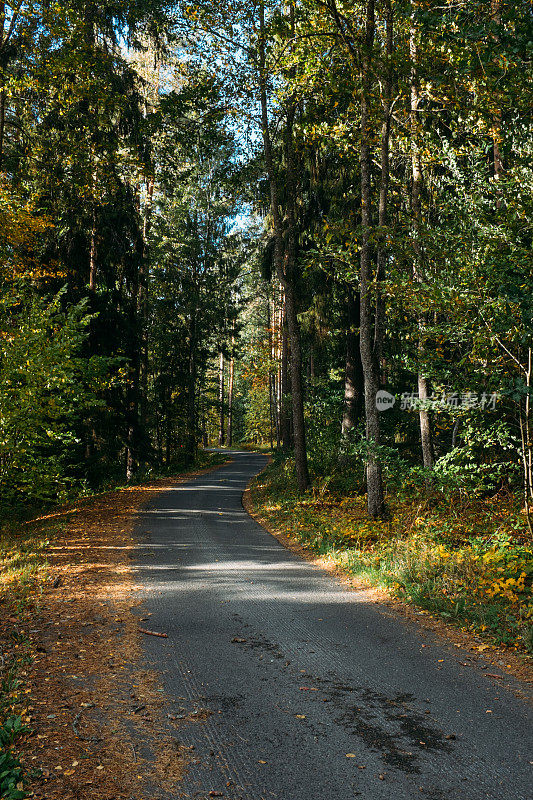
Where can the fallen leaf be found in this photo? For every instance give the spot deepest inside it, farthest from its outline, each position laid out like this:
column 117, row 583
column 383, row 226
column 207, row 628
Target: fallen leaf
column 300, row 716
column 350, row 755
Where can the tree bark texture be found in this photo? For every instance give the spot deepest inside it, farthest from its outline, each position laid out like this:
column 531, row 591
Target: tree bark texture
column 370, row 363
column 285, row 256
column 353, row 374
column 221, row 398
column 416, row 208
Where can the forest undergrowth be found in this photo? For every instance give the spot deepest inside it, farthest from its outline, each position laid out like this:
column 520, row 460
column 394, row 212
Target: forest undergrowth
column 464, row 558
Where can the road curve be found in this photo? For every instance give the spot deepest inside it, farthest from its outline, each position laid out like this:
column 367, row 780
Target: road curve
column 286, row 686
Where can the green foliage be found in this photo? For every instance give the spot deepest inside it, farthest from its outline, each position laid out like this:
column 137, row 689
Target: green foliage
column 46, row 387
column 323, row 408
column 11, row 777
column 487, row 457
column 12, row 728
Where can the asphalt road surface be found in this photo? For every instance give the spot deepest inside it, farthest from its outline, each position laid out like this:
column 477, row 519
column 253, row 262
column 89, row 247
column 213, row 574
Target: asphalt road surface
column 286, row 685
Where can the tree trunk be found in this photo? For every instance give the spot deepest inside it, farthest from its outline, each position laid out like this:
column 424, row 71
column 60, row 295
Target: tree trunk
column 168, row 426
column 353, row 375
column 416, row 208
column 497, row 119
column 221, row 395
column 271, row 404
column 527, row 446
column 285, row 257
column 92, row 251
column 287, row 273
column 371, row 372
column 133, row 389
column 230, row 391
column 93, row 245
column 190, row 449
column 2, row 122
column 285, row 387
column 300, row 450
column 277, row 381
column 143, row 300
column 2, row 82
column 274, row 369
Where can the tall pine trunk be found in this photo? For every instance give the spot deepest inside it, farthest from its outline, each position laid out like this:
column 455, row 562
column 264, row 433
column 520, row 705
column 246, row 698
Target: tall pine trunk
column 221, row 397
column 371, row 367
column 285, row 383
column 231, row 382
column 285, row 257
column 142, row 305
column 416, row 209
column 190, row 444
column 93, row 236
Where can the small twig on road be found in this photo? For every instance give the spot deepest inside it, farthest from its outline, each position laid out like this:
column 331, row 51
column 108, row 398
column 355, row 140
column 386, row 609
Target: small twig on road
column 153, row 633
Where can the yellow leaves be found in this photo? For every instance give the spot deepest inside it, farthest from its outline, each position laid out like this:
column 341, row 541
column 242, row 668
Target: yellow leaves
column 20, row 229
column 443, row 553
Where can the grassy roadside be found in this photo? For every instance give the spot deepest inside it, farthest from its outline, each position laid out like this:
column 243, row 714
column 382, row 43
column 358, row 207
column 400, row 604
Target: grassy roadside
column 32, row 581
column 23, row 570
column 466, row 561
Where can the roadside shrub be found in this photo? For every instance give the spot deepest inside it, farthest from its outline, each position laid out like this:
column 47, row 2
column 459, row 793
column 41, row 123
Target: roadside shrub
column 487, row 456
column 45, row 388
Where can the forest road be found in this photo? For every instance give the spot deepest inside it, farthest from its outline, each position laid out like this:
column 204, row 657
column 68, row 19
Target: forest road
column 283, row 684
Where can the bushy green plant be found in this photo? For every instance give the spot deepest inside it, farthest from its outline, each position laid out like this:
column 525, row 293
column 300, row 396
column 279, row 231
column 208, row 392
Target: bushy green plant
column 323, row 411
column 45, row 388
column 11, row 777
column 485, row 457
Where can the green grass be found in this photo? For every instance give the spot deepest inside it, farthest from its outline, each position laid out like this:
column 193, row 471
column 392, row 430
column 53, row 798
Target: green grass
column 465, row 560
